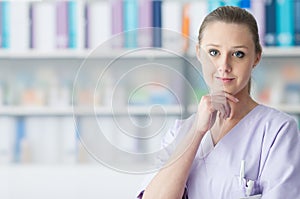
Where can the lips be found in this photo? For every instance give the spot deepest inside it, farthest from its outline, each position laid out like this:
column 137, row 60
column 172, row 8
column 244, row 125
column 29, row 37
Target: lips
column 226, row 79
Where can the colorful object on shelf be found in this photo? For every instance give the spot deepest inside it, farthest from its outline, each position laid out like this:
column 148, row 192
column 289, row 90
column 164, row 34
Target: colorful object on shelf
column 5, row 22
column 117, row 23
column 270, row 21
column 157, row 23
column 285, row 22
column 72, row 24
column 297, row 22
column 86, row 25
column 130, row 17
column 186, row 26
column 61, row 24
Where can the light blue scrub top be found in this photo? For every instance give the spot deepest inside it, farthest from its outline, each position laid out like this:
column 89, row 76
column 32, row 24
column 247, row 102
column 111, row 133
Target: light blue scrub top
column 269, row 143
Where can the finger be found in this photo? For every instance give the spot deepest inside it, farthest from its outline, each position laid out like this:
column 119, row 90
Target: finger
column 219, row 100
column 231, row 98
column 220, row 103
column 221, row 109
column 227, row 110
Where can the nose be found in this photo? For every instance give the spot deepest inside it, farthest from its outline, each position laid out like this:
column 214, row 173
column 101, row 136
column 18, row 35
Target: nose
column 224, row 65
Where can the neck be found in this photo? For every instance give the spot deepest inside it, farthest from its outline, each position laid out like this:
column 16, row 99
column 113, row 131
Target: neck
column 237, row 112
column 242, row 108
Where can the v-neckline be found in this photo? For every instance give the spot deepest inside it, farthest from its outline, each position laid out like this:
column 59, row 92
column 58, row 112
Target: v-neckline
column 208, row 144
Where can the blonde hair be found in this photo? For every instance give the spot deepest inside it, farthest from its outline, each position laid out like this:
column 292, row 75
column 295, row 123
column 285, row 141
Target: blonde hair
column 232, row 14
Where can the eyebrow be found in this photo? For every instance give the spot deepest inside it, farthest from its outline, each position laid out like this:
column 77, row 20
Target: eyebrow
column 216, row 45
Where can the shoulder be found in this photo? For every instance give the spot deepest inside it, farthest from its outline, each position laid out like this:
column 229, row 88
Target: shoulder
column 280, row 162
column 173, row 137
column 178, row 130
column 276, row 127
column 272, row 118
column 181, row 125
column 271, row 125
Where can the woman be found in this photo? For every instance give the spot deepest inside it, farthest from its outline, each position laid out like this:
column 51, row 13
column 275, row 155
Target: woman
column 233, row 147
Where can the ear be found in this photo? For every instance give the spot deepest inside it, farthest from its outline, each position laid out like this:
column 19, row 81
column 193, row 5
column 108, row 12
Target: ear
column 257, row 60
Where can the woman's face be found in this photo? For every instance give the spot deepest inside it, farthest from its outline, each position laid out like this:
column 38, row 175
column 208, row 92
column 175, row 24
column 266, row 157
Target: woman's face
column 227, row 54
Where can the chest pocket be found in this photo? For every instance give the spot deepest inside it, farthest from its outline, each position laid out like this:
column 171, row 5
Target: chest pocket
column 239, row 188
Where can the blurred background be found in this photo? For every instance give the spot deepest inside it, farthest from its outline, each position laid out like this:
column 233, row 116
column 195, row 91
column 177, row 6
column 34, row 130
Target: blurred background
column 76, row 75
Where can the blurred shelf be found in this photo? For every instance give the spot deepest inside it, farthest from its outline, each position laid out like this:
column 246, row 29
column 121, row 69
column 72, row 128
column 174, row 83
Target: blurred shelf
column 34, row 111
column 281, row 51
column 148, row 53
column 293, row 109
column 89, row 111
column 37, row 54
column 108, row 111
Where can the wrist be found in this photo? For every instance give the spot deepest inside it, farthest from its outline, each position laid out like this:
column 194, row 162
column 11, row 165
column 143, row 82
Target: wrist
column 198, row 131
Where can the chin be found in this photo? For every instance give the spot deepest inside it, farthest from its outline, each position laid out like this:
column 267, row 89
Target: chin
column 232, row 91
column 236, row 92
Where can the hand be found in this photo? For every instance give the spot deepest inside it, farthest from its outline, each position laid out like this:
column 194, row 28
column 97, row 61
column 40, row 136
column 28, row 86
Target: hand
column 208, row 108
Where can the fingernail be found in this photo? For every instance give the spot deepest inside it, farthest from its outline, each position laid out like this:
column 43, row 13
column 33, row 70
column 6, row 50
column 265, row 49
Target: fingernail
column 236, row 99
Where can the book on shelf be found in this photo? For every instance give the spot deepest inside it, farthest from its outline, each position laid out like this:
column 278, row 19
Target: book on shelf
column 117, row 24
column 75, row 24
column 186, row 23
column 68, row 141
column 145, row 23
column 72, row 24
column 285, row 22
column 5, row 22
column 7, row 139
column 43, row 12
column 86, row 25
column 297, row 22
column 80, row 27
column 19, row 23
column 270, row 21
column 61, row 24
column 258, row 10
column 231, row 3
column 246, row 4
column 20, row 135
column 213, row 4
column 157, row 22
column 56, row 144
column 130, row 21
column 99, row 27
column 171, row 25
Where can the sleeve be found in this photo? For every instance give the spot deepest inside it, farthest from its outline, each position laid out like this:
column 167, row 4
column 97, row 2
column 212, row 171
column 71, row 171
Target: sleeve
column 168, row 143
column 280, row 175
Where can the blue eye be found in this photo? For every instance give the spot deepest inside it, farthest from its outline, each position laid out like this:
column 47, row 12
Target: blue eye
column 213, row 52
column 239, row 54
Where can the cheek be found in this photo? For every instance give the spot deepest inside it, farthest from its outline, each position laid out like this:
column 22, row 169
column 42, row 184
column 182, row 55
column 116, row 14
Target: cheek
column 207, row 75
column 209, row 70
column 245, row 74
